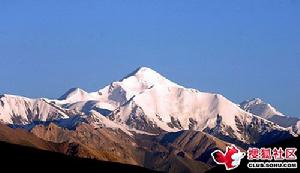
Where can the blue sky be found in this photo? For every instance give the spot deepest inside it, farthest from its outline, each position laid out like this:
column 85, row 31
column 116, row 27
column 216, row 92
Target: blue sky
column 242, row 49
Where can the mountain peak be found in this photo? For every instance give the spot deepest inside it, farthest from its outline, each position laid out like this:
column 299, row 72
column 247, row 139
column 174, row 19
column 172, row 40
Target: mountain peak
column 142, row 71
column 258, row 107
column 147, row 77
column 143, row 68
column 140, row 80
column 72, row 93
column 253, row 102
column 256, row 101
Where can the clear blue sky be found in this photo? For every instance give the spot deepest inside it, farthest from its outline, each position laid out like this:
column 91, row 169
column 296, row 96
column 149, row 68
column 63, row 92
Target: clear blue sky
column 242, row 49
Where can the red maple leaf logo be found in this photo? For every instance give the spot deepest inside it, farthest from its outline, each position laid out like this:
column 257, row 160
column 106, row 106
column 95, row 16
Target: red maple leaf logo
column 231, row 159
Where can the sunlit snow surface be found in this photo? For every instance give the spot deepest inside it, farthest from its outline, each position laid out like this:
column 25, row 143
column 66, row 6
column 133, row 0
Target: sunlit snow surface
column 142, row 101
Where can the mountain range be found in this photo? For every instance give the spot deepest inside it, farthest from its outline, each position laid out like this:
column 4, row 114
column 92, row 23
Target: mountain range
column 147, row 120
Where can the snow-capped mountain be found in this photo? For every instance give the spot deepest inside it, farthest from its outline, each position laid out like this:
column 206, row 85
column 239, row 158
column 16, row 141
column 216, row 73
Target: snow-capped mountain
column 258, row 107
column 75, row 95
column 145, row 101
column 22, row 110
column 164, row 105
column 119, row 92
column 265, row 110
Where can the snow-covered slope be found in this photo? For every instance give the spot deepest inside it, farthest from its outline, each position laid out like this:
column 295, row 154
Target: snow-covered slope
column 22, row 110
column 119, row 92
column 145, row 101
column 75, row 95
column 115, row 94
column 265, row 110
column 166, row 106
column 259, row 107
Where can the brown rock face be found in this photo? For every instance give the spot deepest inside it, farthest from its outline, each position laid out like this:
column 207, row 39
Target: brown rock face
column 184, row 151
column 101, row 143
column 22, row 137
column 187, row 151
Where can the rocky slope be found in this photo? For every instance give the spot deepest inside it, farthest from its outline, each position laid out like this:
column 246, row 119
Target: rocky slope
column 187, row 150
column 18, row 158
